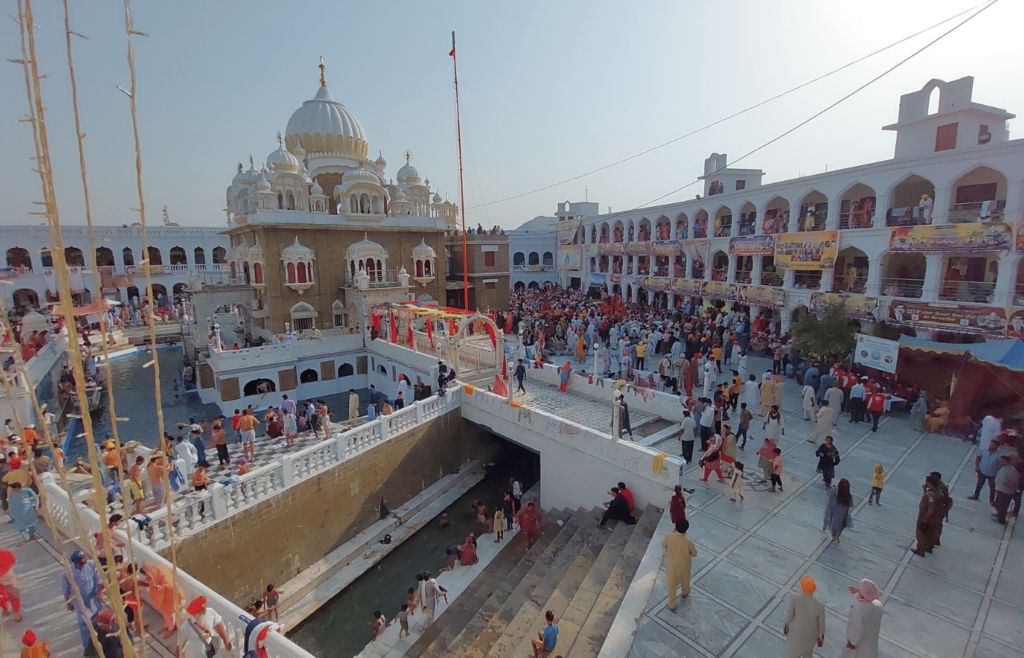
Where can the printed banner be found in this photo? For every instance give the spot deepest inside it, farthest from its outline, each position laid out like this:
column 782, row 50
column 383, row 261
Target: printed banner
column 567, row 230
column 637, row 248
column 123, row 281
column 725, row 292
column 570, row 258
column 8, row 273
column 695, row 249
column 688, row 287
column 984, row 320
column 51, row 280
column 665, row 248
column 107, row 278
column 752, row 245
column 951, row 237
column 1020, row 236
column 593, row 249
column 75, row 279
column 612, row 248
column 1015, row 327
column 657, row 283
column 810, row 250
column 763, row 296
column 877, row 353
column 857, row 307
column 597, row 278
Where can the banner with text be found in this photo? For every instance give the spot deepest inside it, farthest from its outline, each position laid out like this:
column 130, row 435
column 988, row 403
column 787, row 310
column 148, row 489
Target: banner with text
column 75, row 279
column 665, row 248
column 877, row 353
column 857, row 307
column 723, row 292
column 657, row 283
column 957, row 318
column 612, row 248
column 567, row 230
column 951, row 237
column 763, row 296
column 637, row 248
column 752, row 245
column 810, row 250
column 687, row 287
column 570, row 258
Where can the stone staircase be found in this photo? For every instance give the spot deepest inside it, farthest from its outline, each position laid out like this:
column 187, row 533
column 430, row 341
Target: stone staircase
column 576, row 570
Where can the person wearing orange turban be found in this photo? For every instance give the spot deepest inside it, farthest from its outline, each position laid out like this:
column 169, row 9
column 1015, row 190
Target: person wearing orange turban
column 805, row 621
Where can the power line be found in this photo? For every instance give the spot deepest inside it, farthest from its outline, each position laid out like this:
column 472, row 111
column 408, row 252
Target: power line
column 734, row 115
column 820, row 112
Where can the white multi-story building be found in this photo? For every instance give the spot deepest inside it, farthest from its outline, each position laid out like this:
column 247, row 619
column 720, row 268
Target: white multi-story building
column 535, row 247
column 930, row 239
column 174, row 252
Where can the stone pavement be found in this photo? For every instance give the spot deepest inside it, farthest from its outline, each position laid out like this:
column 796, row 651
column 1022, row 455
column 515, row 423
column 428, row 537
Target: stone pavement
column 576, row 407
column 962, row 600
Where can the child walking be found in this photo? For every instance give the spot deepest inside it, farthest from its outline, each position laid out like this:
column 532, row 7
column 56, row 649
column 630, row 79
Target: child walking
column 403, row 620
column 877, row 485
column 736, row 483
column 499, row 524
column 777, row 471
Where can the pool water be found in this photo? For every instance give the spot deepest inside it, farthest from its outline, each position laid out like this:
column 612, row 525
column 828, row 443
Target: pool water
column 342, row 626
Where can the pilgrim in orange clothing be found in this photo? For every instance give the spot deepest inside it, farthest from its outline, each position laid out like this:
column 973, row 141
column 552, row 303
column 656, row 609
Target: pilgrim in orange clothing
column 33, row 647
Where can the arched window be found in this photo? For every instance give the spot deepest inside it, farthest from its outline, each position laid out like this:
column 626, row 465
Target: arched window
column 353, row 204
column 104, row 257
column 257, row 272
column 352, row 267
column 426, row 268
column 419, row 268
column 74, row 257
column 155, row 257
column 280, row 201
column 345, row 370
column 245, row 273
column 364, row 203
column 534, row 258
column 380, row 270
column 302, row 273
column 19, row 258
column 178, row 256
column 127, row 257
column 518, row 258
column 303, row 316
column 219, row 255
column 308, row 376
column 199, row 256
column 291, row 273
column 291, row 201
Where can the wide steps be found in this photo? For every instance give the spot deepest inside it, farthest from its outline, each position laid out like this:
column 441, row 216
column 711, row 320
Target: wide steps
column 493, row 592
column 588, row 642
column 495, row 620
column 593, row 541
column 572, row 565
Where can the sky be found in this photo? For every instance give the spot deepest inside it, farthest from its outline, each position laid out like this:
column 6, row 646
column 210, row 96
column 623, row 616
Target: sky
column 548, row 91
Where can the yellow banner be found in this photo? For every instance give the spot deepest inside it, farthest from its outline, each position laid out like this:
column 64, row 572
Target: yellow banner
column 691, row 287
column 763, row 296
column 726, row 292
column 810, row 250
column 637, row 248
column 952, row 238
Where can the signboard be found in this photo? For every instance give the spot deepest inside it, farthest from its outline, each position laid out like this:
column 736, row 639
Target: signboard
column 75, row 279
column 1020, row 236
column 752, row 245
column 810, row 250
column 570, row 258
column 951, row 237
column 597, row 278
column 637, row 248
column 689, row 287
column 107, row 283
column 7, row 273
column 657, row 283
column 567, row 230
column 1015, row 326
column 963, row 319
column 877, row 353
column 857, row 307
column 593, row 249
column 763, row 296
column 726, row 292
column 51, row 280
column 665, row 248
column 612, row 248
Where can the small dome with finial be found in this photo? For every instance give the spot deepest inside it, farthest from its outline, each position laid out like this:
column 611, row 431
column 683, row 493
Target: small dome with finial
column 316, row 190
column 282, row 160
column 408, row 173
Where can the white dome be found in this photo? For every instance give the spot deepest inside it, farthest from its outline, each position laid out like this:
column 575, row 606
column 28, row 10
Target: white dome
column 437, row 198
column 262, row 185
column 324, row 126
column 423, row 250
column 399, row 195
column 316, row 190
column 243, row 177
column 360, row 174
column 364, row 247
column 282, row 160
column 296, row 252
column 408, row 174
column 381, row 161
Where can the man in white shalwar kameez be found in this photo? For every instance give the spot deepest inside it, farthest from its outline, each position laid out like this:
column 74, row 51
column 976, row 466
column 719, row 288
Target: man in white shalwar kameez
column 808, row 404
column 823, row 427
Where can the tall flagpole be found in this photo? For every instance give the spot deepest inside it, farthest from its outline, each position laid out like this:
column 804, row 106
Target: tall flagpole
column 462, row 192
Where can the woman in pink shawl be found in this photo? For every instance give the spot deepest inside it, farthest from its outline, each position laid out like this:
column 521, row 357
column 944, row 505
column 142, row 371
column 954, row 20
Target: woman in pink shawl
column 564, row 373
column 765, row 456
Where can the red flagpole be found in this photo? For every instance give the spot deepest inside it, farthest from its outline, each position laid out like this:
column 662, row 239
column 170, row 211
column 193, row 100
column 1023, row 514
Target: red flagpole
column 462, row 193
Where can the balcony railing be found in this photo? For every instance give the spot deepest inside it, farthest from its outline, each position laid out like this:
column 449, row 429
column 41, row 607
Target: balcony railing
column 523, row 267
column 908, row 216
column 858, row 285
column 771, row 279
column 744, row 276
column 978, row 292
column 386, row 279
column 859, row 219
column 804, row 280
column 977, row 211
column 902, row 287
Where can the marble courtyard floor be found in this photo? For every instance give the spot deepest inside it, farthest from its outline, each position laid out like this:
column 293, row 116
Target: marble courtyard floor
column 962, row 600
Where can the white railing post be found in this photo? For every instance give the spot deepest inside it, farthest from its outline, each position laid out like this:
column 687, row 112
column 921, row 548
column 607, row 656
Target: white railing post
column 419, row 412
column 219, row 501
column 287, row 470
column 383, row 424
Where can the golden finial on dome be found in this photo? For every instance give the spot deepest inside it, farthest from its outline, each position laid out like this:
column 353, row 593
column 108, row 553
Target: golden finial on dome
column 280, row 144
column 323, row 79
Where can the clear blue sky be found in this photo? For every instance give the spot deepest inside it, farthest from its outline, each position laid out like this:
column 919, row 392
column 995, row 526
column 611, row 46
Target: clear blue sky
column 549, row 91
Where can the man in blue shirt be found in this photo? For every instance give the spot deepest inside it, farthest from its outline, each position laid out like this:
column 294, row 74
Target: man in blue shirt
column 548, row 638
column 90, row 586
column 986, row 465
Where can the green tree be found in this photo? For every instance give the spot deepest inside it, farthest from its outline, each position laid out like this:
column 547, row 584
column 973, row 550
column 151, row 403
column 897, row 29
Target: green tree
column 829, row 334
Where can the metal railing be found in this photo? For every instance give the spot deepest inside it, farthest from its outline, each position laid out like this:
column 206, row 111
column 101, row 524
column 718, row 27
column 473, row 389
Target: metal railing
column 804, row 280
column 771, row 279
column 902, row 287
column 854, row 220
column 978, row 292
column 906, row 216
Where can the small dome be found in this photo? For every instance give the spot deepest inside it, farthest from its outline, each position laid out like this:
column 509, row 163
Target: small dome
column 243, row 177
column 296, row 252
column 360, row 174
column 408, row 174
column 364, row 247
column 316, row 190
column 423, row 251
column 437, row 198
column 282, row 160
column 381, row 161
column 399, row 195
column 323, row 125
column 261, row 183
